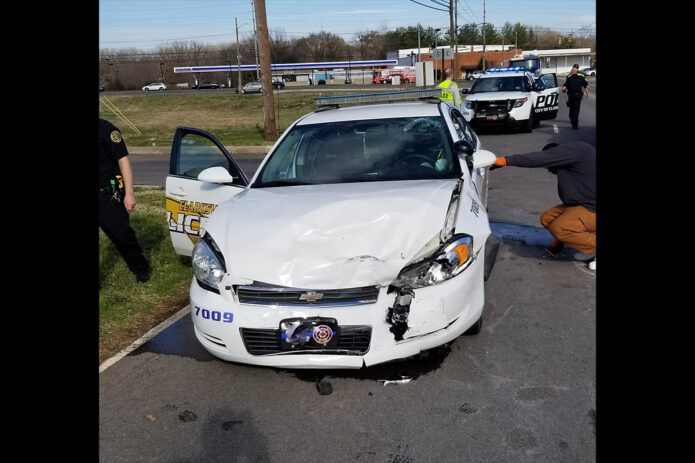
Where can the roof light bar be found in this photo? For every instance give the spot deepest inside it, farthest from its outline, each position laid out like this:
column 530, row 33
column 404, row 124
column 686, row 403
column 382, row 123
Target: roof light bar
column 510, row 69
column 378, row 97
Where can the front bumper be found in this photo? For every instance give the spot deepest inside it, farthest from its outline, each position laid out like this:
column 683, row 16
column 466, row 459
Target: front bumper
column 514, row 117
column 438, row 314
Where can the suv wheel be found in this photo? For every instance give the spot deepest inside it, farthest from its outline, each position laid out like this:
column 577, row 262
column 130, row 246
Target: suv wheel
column 528, row 125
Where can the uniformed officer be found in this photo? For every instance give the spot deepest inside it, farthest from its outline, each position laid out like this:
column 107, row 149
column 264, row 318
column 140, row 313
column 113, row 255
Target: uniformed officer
column 117, row 199
column 573, row 86
column 450, row 91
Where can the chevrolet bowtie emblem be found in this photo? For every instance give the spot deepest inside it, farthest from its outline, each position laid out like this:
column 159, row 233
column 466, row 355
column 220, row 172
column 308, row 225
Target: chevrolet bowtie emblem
column 311, row 296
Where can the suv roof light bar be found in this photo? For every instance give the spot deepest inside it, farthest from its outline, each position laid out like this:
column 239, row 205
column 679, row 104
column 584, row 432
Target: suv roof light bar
column 388, row 97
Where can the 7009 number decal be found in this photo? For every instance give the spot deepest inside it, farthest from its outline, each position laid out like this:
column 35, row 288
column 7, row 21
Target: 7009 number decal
column 224, row 317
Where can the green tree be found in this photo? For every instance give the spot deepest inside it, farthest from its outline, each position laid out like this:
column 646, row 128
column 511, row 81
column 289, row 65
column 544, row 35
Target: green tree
column 469, row 34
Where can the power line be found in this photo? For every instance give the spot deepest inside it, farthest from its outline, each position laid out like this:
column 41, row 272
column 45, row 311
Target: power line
column 427, row 6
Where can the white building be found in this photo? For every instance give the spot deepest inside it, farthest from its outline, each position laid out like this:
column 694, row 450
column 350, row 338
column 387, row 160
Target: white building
column 561, row 60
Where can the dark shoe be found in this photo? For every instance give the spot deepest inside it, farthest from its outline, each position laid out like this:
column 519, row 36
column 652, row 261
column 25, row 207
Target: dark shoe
column 584, row 257
column 143, row 276
column 555, row 248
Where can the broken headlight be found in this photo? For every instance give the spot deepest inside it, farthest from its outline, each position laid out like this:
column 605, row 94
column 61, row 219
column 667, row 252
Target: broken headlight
column 450, row 260
column 208, row 263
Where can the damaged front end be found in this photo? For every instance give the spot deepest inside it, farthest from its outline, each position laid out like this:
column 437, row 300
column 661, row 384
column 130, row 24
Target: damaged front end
column 440, row 260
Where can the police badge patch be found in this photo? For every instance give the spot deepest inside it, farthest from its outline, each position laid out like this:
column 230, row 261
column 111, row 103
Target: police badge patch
column 116, row 136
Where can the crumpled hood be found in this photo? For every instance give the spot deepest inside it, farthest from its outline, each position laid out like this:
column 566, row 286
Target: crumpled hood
column 490, row 96
column 329, row 236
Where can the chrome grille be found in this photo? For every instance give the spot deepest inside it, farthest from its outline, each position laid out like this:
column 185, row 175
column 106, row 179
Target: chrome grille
column 496, row 106
column 259, row 293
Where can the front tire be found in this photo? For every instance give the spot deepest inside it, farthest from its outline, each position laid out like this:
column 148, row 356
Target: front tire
column 527, row 127
column 475, row 328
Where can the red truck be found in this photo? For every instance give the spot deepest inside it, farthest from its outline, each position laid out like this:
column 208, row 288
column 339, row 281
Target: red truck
column 384, row 76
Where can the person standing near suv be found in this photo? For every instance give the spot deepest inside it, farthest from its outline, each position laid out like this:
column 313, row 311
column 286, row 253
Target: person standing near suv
column 575, row 85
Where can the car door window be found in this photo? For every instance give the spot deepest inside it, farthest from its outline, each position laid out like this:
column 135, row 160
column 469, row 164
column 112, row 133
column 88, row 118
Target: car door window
column 197, row 154
column 549, row 80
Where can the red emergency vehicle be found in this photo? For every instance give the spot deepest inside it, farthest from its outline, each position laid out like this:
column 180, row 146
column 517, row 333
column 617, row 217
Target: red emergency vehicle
column 384, row 76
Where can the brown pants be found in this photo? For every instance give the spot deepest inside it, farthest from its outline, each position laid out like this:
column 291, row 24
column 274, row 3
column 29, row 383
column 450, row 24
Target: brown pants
column 573, row 225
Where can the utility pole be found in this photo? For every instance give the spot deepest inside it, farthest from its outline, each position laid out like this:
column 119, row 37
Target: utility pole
column 483, row 35
column 516, row 48
column 238, row 55
column 255, row 37
column 456, row 39
column 267, row 83
column 161, row 71
column 418, row 42
column 502, row 63
column 451, row 35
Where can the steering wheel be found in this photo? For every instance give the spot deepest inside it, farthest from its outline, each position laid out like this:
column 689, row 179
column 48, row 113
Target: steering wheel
column 404, row 159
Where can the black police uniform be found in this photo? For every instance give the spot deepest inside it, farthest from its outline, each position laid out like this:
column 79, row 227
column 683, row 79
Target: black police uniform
column 113, row 217
column 575, row 85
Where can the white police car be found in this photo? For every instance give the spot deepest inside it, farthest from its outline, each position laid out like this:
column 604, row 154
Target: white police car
column 363, row 237
column 511, row 96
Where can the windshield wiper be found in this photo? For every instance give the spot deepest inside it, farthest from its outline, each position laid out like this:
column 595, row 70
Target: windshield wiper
column 281, row 183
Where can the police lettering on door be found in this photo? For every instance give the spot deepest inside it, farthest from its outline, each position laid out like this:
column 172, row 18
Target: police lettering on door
column 547, row 103
column 187, row 217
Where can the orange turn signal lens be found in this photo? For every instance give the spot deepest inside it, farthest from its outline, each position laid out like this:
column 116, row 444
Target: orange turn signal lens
column 462, row 251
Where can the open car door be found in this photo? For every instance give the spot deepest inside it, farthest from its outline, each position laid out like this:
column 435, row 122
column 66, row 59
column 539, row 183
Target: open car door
column 547, row 103
column 190, row 201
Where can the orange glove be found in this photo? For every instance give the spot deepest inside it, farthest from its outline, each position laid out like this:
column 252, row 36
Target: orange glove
column 499, row 162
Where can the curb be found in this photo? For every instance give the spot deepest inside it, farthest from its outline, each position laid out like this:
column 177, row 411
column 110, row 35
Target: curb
column 254, row 150
column 145, row 337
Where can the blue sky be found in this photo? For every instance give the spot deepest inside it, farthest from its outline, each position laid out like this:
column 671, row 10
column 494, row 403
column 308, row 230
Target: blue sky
column 146, row 24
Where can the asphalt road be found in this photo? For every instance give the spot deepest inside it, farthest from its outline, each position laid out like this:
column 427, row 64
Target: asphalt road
column 523, row 390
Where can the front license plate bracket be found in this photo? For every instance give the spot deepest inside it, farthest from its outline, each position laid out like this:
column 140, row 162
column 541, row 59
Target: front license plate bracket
column 308, row 333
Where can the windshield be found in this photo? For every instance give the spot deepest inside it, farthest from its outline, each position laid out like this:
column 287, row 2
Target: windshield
column 501, row 84
column 527, row 63
column 375, row 150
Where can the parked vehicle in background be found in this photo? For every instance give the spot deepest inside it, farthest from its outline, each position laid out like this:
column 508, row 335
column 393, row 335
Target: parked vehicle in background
column 588, row 71
column 252, row 87
column 385, row 76
column 474, row 75
column 278, row 84
column 158, row 86
column 321, row 77
column 205, row 85
column 511, row 97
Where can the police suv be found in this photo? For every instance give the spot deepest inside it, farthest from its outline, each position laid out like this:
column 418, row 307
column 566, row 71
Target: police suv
column 511, row 96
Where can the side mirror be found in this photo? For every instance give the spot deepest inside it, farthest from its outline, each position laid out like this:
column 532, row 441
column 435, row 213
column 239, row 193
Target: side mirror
column 483, row 158
column 215, row 175
column 464, row 91
column 464, row 147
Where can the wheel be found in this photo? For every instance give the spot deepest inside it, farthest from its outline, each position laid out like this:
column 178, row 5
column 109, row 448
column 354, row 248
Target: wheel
column 475, row 328
column 147, row 89
column 527, row 127
column 405, row 81
column 161, row 89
